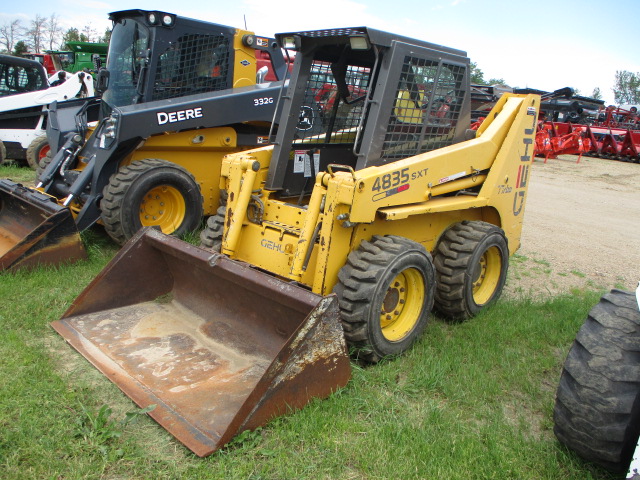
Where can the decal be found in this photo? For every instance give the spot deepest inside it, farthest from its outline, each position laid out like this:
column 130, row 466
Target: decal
column 262, row 140
column 453, row 177
column 299, row 159
column 504, row 189
column 179, row 116
column 271, row 245
column 245, row 63
column 391, row 180
column 306, row 118
column 419, row 173
column 262, row 42
column 257, row 102
column 518, row 202
column 388, row 193
column 523, row 169
column 523, row 176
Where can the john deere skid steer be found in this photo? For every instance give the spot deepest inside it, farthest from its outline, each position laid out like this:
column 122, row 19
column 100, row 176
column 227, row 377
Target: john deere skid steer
column 178, row 94
column 387, row 207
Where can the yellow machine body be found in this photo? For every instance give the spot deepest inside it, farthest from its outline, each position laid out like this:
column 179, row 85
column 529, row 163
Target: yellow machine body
column 351, row 206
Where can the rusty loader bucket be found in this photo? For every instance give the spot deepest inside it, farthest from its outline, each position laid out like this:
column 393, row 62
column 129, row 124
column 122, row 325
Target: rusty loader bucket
column 35, row 230
column 219, row 347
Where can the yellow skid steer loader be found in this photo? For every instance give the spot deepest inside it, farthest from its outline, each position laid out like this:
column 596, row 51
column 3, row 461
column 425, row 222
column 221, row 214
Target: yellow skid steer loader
column 386, row 208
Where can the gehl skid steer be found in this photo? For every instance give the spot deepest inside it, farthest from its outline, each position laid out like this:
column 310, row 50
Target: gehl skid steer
column 355, row 229
column 179, row 94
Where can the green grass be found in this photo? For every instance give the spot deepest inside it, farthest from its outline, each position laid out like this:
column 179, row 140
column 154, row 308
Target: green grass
column 17, row 173
column 471, row 400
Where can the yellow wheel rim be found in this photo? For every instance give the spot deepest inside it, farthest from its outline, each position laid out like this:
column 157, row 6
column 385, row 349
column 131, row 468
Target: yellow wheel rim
column 402, row 305
column 487, row 275
column 163, row 206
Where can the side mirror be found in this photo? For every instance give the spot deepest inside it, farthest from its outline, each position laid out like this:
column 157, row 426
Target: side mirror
column 102, row 81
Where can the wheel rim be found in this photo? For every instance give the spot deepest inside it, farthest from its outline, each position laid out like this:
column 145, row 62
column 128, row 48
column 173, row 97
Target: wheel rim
column 43, row 152
column 402, row 305
column 164, row 206
column 486, row 275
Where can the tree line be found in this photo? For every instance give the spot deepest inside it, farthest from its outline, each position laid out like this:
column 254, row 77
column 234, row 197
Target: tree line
column 44, row 33
column 626, row 89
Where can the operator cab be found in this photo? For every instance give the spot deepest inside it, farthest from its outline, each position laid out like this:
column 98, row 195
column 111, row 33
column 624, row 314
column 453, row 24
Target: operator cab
column 346, row 117
column 20, row 75
column 156, row 56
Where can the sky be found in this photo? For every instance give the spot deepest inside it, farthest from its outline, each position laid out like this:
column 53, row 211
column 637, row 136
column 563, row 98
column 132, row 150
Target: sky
column 541, row 44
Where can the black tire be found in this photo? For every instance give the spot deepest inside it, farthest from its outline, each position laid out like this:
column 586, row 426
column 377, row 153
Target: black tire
column 37, row 150
column 471, row 260
column 211, row 236
column 43, row 164
column 151, row 192
column 597, row 409
column 371, row 283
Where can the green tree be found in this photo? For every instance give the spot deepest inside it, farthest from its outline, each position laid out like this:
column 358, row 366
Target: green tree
column 627, row 87
column 20, row 48
column 73, row 35
column 597, row 94
column 106, row 37
column 477, row 77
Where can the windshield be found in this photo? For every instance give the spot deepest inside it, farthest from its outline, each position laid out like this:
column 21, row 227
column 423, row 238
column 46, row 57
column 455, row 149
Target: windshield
column 126, row 61
column 66, row 60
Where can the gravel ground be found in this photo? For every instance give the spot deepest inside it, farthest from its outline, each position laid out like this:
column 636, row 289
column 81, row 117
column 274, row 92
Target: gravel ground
column 581, row 228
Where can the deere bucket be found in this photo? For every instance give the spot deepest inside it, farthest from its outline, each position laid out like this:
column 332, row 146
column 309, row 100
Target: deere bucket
column 35, row 230
column 216, row 345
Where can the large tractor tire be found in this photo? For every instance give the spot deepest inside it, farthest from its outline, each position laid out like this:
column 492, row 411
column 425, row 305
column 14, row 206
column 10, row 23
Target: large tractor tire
column 597, row 409
column 151, row 192
column 37, row 150
column 471, row 261
column 385, row 293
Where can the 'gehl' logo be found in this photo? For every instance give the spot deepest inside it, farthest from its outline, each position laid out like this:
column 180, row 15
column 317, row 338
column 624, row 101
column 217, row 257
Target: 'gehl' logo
column 523, row 170
column 179, row 116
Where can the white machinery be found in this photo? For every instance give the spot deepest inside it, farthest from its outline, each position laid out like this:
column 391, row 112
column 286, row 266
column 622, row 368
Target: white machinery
column 25, row 92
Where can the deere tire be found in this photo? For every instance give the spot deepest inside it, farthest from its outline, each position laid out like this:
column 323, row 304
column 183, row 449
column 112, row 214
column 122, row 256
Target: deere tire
column 211, row 236
column 597, row 409
column 37, row 150
column 385, row 293
column 151, row 192
column 471, row 262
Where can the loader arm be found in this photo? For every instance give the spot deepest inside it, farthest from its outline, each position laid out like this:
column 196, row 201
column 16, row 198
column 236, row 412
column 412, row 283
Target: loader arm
column 120, row 133
column 425, row 183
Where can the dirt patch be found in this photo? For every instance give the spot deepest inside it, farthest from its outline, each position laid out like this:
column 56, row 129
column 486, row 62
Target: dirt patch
column 581, row 228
